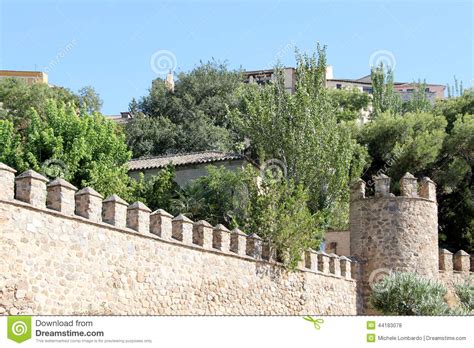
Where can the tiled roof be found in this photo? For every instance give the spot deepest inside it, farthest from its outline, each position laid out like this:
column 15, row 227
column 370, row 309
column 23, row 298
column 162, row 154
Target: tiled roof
column 181, row 159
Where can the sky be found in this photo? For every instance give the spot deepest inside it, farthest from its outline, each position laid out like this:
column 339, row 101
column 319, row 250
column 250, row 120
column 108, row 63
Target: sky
column 119, row 47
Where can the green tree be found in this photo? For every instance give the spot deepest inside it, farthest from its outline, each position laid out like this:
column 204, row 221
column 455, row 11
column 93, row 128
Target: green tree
column 86, row 150
column 384, row 97
column 274, row 209
column 418, row 101
column 17, row 99
column 303, row 132
column 157, row 192
column 348, row 103
column 399, row 144
column 454, row 106
column 89, row 99
column 194, row 114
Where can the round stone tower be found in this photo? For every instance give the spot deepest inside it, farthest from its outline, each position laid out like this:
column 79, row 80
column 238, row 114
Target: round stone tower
column 389, row 233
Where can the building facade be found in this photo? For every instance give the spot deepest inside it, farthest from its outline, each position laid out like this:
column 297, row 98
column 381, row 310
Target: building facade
column 30, row 77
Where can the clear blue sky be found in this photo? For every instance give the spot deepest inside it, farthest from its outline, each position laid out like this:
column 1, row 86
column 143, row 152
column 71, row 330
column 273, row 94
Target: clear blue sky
column 109, row 44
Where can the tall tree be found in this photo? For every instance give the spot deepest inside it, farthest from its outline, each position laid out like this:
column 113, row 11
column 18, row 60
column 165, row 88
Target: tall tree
column 89, row 99
column 194, row 114
column 384, row 97
column 303, row 133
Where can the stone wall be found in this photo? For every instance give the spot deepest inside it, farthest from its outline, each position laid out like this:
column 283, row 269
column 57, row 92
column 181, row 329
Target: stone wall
column 394, row 234
column 72, row 252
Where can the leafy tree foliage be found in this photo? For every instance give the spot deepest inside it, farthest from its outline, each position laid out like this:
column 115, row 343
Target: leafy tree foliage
column 418, row 101
column 193, row 117
column 159, row 191
column 275, row 209
column 348, row 103
column 85, row 149
column 400, row 144
column 89, row 99
column 17, row 98
column 384, row 97
column 304, row 132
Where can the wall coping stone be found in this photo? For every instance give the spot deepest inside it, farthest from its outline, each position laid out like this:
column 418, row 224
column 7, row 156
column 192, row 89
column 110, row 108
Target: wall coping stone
column 162, row 212
column 89, row 191
column 139, row 206
column 61, row 182
column 6, row 168
column 30, row 173
column 115, row 198
column 182, row 218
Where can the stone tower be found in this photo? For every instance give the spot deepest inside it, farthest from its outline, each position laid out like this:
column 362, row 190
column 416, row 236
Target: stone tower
column 394, row 233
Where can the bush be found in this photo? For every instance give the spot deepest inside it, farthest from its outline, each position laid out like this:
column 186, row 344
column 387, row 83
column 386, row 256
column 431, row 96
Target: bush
column 408, row 294
column 465, row 293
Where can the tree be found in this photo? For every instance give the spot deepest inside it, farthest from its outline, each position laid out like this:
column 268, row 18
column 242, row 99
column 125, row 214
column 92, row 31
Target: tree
column 399, row 144
column 86, row 150
column 348, row 103
column 194, row 114
column 18, row 98
column 303, row 133
column 454, row 106
column 89, row 99
column 384, row 97
column 418, row 101
column 157, row 192
column 274, row 209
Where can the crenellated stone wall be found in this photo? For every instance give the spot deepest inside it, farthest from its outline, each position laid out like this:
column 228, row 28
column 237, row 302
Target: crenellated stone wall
column 70, row 251
column 391, row 233
column 74, row 252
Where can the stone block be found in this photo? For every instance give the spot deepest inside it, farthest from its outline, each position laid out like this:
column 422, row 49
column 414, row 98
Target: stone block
column 160, row 224
column 31, row 188
column 254, row 246
column 60, row 196
column 138, row 217
column 182, row 229
column 238, row 241
column 114, row 211
column 89, row 204
column 221, row 238
column 7, row 182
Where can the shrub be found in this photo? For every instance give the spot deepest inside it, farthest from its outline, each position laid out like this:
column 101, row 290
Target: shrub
column 465, row 293
column 408, row 294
